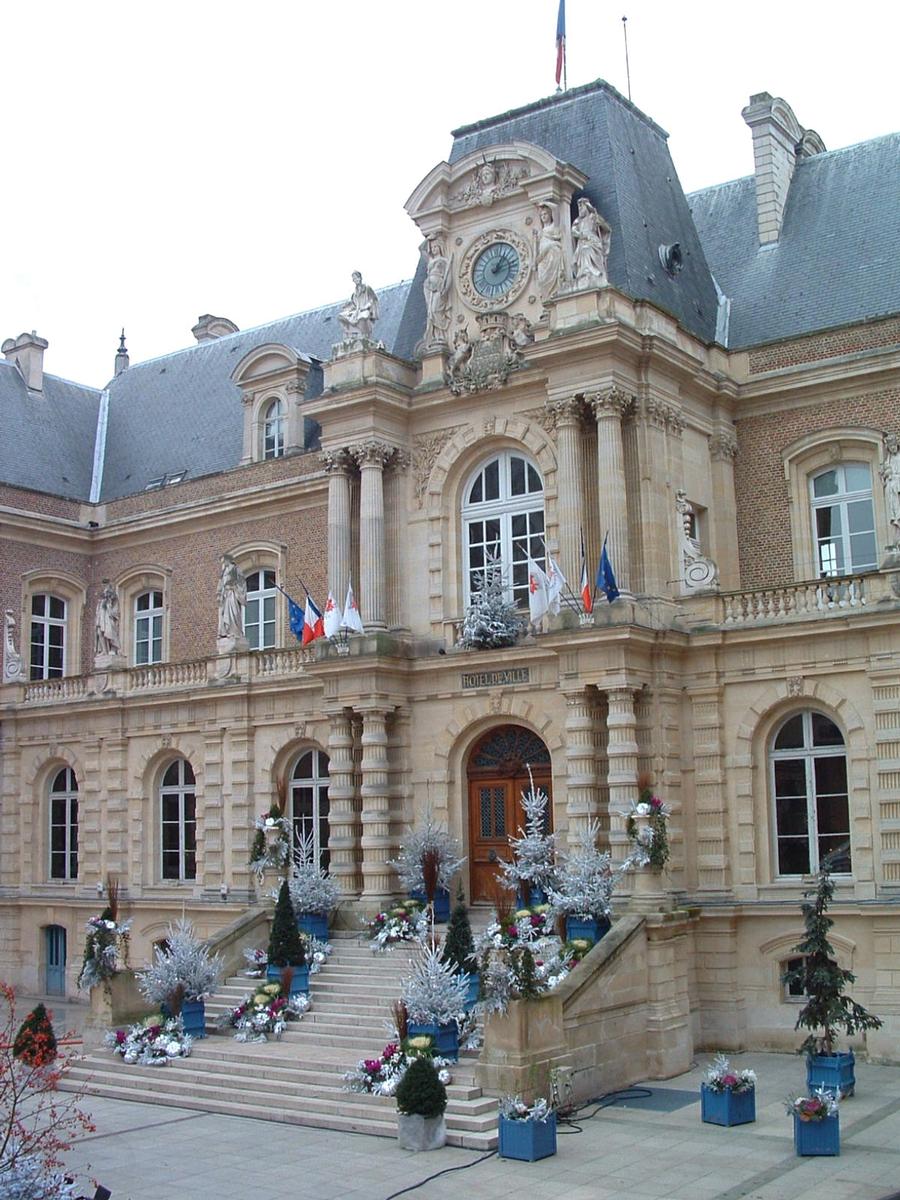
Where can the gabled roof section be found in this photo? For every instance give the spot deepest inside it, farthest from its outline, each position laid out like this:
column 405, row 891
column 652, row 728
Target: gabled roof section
column 47, row 443
column 632, row 182
column 183, row 412
column 837, row 259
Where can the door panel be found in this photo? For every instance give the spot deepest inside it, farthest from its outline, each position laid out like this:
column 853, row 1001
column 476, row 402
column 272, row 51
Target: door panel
column 495, row 815
column 55, row 949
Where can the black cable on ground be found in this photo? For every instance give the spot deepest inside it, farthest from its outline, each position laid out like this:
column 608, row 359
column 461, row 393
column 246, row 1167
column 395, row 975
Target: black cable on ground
column 446, row 1171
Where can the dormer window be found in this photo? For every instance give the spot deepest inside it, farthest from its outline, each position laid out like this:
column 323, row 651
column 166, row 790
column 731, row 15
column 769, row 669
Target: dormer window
column 274, row 429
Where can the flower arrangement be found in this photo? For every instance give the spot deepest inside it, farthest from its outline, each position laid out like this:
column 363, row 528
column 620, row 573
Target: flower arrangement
column 721, row 1078
column 650, row 840
column 429, row 858
column 312, row 891
column 256, row 959
column 514, row 1108
column 182, row 968
column 265, row 1013
column 271, row 848
column 534, row 851
column 151, row 1043
column 405, row 923
column 815, row 1107
column 380, row 1076
column 106, row 937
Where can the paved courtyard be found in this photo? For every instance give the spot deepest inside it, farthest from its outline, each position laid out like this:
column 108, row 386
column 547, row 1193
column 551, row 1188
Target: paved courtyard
column 663, row 1152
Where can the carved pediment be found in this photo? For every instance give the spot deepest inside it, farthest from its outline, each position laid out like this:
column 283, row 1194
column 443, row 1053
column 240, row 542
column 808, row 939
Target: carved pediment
column 492, row 179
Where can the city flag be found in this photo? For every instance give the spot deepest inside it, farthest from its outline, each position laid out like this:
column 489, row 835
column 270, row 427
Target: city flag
column 295, row 617
column 556, row 581
column 313, row 622
column 606, row 579
column 560, row 40
column 538, row 592
column 587, row 598
column 332, row 622
column 352, row 620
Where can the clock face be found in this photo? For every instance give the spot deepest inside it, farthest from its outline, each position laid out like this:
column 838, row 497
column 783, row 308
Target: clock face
column 496, row 269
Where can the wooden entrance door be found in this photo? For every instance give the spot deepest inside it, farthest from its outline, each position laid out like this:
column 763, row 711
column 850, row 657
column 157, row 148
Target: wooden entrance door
column 498, row 774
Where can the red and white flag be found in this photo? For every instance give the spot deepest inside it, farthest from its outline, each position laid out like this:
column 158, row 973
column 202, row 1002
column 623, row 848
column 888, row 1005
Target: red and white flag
column 538, row 592
column 351, row 620
column 313, row 622
column 556, row 581
column 332, row 622
column 587, row 594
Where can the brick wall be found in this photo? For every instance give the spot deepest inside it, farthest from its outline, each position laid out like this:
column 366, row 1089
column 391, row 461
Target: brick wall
column 851, row 339
column 39, row 502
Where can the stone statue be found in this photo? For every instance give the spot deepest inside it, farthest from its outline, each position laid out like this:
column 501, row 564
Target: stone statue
column 359, row 314
column 522, row 334
column 13, row 671
column 549, row 253
column 106, row 623
column 890, row 478
column 437, row 285
column 462, row 352
column 700, row 573
column 592, row 237
column 232, row 593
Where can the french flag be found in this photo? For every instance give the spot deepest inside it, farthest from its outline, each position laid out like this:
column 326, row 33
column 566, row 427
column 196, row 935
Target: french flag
column 313, row 622
column 560, row 41
column 587, row 597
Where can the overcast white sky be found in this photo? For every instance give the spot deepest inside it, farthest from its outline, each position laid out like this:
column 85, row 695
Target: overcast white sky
column 169, row 159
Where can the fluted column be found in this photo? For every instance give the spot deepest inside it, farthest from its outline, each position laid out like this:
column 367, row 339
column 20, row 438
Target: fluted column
column 343, row 821
column 395, row 540
column 376, row 807
column 581, row 763
column 609, row 407
column 569, row 413
column 339, row 465
column 622, row 757
column 372, row 457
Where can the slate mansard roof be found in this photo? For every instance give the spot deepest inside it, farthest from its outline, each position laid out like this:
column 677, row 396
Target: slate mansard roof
column 837, row 259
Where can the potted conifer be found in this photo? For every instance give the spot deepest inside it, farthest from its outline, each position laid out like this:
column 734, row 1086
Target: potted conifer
column 827, row 1010
column 585, row 881
column 434, row 997
column 429, row 858
column 314, row 894
column 458, row 949
column 181, row 976
column 287, row 954
column 35, row 1042
column 532, row 872
column 421, row 1102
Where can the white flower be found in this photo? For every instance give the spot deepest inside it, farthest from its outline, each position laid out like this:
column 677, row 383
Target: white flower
column 270, row 821
column 130, row 1056
column 642, row 810
column 173, row 1049
column 444, row 1076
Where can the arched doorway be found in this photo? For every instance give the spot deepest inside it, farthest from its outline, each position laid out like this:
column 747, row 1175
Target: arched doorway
column 497, row 774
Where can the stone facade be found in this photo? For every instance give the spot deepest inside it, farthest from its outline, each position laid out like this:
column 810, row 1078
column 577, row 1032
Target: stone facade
column 680, row 448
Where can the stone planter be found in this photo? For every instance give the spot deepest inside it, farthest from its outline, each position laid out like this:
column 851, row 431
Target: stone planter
column 315, row 924
column 299, row 982
column 727, row 1107
column 591, row 929
column 193, row 1018
column 415, row 1132
column 834, row 1072
column 527, row 1140
column 441, row 904
column 817, row 1137
column 446, row 1037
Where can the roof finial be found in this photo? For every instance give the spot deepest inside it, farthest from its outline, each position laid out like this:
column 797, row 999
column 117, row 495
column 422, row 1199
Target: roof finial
column 122, row 360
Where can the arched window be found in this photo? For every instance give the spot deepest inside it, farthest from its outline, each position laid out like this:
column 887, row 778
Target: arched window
column 259, row 614
column 808, row 763
column 178, row 808
column 843, row 519
column 148, row 628
column 273, row 430
column 48, row 636
column 503, row 522
column 309, row 804
column 64, row 825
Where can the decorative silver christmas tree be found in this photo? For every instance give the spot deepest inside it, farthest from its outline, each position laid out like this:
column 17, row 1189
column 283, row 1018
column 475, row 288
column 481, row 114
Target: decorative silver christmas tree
column 586, row 878
column 428, row 841
column 185, row 964
column 433, row 994
column 534, row 861
column 490, row 621
column 312, row 891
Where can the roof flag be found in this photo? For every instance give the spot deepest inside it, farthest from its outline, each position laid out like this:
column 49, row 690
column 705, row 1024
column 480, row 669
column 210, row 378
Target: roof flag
column 561, row 44
column 606, row 579
column 587, row 597
column 351, row 620
column 333, row 618
column 313, row 622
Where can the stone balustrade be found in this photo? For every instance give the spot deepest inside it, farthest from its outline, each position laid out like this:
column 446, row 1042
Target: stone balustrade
column 813, row 598
column 167, row 675
column 281, row 662
column 54, row 690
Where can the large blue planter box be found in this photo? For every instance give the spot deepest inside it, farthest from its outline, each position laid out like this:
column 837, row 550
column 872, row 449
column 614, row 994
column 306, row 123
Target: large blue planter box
column 193, row 1018
column 817, row 1137
column 299, row 983
column 315, row 924
column 441, row 904
column 446, row 1037
column 728, row 1107
column 591, row 929
column 530, row 897
column 527, row 1140
column 474, row 987
column 834, row 1072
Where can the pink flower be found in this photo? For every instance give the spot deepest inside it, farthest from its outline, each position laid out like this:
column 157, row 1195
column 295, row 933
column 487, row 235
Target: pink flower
column 120, row 1036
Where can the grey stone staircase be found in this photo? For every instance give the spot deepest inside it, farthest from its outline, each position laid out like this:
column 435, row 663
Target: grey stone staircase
column 298, row 1080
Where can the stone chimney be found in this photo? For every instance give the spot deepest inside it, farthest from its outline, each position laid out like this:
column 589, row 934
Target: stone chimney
column 779, row 141
column 208, row 328
column 27, row 352
column 122, row 359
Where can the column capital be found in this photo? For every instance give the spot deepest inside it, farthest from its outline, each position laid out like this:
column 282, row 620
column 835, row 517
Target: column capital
column 566, row 410
column 722, row 447
column 372, row 453
column 337, row 461
column 610, row 402
column 400, row 460
column 663, row 416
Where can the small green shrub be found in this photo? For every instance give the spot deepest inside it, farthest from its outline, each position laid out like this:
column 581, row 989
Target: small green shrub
column 420, row 1092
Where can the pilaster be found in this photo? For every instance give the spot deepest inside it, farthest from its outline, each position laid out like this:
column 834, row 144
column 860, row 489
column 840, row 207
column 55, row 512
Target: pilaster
column 569, row 413
column 339, row 466
column 622, row 756
column 395, row 539
column 372, row 456
column 377, row 843
column 610, row 407
column 581, row 763
column 343, row 817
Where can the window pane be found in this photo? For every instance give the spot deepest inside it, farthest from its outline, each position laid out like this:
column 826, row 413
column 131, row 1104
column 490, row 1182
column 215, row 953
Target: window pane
column 303, row 802
column 534, row 480
column 188, row 771
column 57, row 608
column 171, row 839
column 833, row 815
column 825, row 484
column 170, row 809
column 171, row 864
column 303, row 769
column 790, row 736
column 519, row 525
column 831, row 776
column 57, row 838
column 841, row 863
column 862, row 551
column 476, row 494
column 791, row 815
column 517, row 476
column 170, row 779
column 37, row 606
column 860, row 516
column 825, row 732
column 857, row 478
column 492, row 480
column 828, row 521
column 790, row 777
column 793, row 856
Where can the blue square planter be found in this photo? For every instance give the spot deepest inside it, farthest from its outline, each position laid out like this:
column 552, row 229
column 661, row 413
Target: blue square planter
column 834, row 1072
column 530, row 897
column 527, row 1140
column 446, row 1037
column 728, row 1107
column 474, row 986
column 193, row 1018
column 817, row 1137
column 591, row 929
column 299, row 983
column 441, row 904
column 315, row 924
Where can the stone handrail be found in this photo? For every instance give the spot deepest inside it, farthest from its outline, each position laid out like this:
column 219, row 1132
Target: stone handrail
column 166, row 675
column 812, row 598
column 67, row 688
column 281, row 662
column 249, row 929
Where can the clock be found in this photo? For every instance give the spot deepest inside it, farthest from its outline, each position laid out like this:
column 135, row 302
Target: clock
column 496, row 270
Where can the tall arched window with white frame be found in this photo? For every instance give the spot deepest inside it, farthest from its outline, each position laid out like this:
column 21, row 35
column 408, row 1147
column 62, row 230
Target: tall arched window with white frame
column 64, row 825
column 48, row 637
column 808, row 773
column 260, row 610
column 148, row 628
column 843, row 519
column 503, row 522
column 178, row 815
column 274, row 429
column 309, row 805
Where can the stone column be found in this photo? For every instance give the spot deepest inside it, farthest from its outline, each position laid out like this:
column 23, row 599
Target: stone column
column 722, row 514
column 343, row 820
column 622, row 755
column 395, row 539
column 339, row 465
column 372, row 456
column 376, row 808
column 570, row 502
column 609, row 407
column 581, row 763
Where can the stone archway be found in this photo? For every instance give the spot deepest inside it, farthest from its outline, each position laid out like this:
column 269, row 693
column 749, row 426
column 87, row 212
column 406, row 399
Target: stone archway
column 497, row 774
